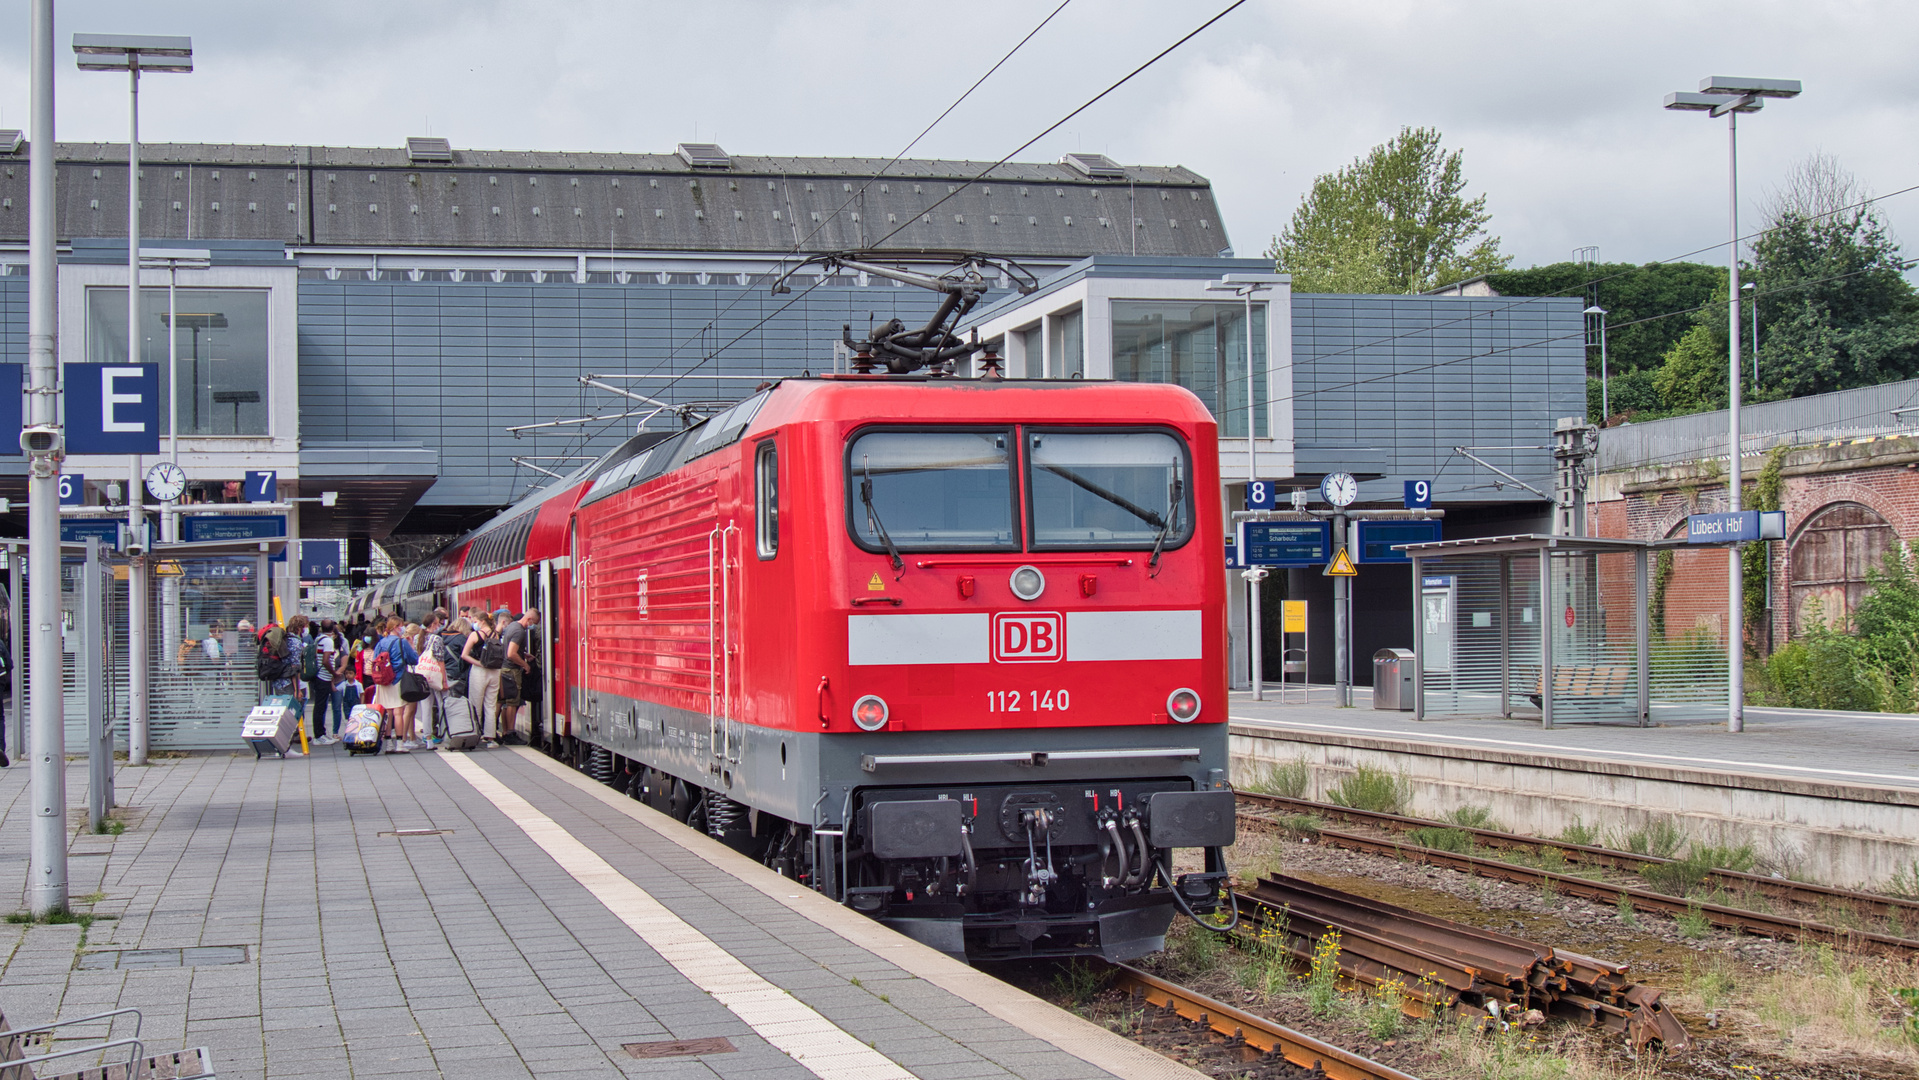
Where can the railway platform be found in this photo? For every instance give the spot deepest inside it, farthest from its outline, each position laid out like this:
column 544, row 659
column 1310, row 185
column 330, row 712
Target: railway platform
column 1832, row 796
column 489, row 915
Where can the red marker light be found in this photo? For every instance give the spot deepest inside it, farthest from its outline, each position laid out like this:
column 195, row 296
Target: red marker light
column 1183, row 705
column 869, row 713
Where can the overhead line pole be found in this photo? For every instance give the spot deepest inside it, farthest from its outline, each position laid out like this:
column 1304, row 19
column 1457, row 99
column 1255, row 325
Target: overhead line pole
column 47, row 874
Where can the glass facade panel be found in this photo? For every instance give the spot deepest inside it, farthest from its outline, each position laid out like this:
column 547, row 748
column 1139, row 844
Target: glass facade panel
column 1067, row 358
column 221, row 383
column 932, row 490
column 1200, row 346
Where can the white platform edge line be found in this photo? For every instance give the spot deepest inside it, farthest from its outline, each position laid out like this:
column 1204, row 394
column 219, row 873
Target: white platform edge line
column 1043, row 1020
column 1590, row 753
column 769, row 1010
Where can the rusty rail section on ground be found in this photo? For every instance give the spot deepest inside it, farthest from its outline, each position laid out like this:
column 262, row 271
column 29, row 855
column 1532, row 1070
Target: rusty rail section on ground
column 1758, row 923
column 1875, row 904
column 1443, row 964
column 1255, row 1035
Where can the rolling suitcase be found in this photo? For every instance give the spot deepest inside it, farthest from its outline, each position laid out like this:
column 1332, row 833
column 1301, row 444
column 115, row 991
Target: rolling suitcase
column 270, row 726
column 363, row 730
column 462, row 727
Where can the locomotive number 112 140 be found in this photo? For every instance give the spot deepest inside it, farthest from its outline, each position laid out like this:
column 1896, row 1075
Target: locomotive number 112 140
column 1028, row 701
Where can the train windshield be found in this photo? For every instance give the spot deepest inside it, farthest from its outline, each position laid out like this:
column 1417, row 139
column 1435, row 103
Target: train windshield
column 1108, row 489
column 932, row 490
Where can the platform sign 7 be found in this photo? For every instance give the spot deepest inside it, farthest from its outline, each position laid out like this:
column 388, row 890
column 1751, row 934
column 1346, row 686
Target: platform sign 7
column 262, row 486
column 73, row 489
column 1419, row 494
column 1261, row 494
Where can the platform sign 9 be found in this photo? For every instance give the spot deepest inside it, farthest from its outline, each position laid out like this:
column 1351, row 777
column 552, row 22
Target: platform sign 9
column 1419, row 494
column 1261, row 494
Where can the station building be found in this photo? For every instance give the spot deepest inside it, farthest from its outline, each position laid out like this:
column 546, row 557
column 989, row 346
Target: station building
column 407, row 333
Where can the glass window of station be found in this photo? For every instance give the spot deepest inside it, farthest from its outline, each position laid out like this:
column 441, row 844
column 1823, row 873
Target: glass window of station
column 1200, row 346
column 220, row 379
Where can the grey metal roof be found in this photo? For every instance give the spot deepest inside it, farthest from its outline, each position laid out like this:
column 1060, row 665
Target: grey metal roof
column 513, row 199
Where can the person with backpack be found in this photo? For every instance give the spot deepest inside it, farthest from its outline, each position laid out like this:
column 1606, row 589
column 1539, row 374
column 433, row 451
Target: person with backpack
column 277, row 661
column 391, row 657
column 319, row 665
column 484, row 654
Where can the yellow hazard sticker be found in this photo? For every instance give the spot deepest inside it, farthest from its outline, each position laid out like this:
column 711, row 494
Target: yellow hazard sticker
column 1342, row 565
column 875, row 584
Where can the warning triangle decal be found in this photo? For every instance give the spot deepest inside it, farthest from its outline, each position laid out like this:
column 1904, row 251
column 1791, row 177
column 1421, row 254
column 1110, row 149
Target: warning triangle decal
column 1342, row 565
column 876, row 585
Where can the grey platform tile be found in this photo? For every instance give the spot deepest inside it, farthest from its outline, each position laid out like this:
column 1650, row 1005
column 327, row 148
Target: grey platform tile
column 965, row 1071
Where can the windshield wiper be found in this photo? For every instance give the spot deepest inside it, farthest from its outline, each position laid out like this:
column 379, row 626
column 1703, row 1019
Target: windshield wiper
column 1150, row 517
column 873, row 517
column 1175, row 500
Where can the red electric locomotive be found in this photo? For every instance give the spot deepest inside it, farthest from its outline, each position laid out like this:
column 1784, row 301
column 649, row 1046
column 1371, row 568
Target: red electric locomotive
column 949, row 650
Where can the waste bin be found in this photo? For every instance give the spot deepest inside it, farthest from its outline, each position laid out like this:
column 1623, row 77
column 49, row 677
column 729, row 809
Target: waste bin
column 1393, row 680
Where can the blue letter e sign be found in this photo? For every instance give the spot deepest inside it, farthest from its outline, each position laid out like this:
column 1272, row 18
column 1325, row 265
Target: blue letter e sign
column 112, row 408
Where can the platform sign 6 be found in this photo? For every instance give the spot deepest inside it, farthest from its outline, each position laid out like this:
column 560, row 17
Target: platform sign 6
column 73, row 489
column 1419, row 494
column 1261, row 494
column 1029, row 637
column 262, row 485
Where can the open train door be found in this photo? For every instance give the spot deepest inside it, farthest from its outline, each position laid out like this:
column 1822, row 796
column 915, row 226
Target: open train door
column 539, row 590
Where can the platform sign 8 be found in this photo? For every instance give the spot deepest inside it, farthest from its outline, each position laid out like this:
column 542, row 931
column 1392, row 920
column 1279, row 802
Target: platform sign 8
column 1419, row 494
column 1261, row 494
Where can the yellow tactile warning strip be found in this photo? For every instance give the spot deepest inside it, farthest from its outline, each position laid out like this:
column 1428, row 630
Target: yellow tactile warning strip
column 1076, row 1035
column 795, row 1028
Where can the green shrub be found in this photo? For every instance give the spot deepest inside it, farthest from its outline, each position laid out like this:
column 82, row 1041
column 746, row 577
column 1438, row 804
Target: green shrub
column 1581, row 833
column 1661, row 839
column 1474, row 817
column 1458, row 841
column 1822, row 670
column 1287, row 779
column 1681, row 876
column 1372, row 789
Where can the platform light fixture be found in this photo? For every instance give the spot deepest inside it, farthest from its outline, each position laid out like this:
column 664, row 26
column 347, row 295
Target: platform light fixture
column 133, row 54
column 1605, row 394
column 1728, row 96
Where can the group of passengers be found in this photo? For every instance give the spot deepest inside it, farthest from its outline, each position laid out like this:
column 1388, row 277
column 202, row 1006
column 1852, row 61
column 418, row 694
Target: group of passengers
column 487, row 658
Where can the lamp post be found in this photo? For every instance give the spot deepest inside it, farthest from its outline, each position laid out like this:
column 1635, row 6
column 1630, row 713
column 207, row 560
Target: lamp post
column 1751, row 289
column 1721, row 95
column 134, row 53
column 172, row 260
column 1605, row 395
column 1245, row 286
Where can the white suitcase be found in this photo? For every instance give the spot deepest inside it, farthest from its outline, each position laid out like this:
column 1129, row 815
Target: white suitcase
column 461, row 730
column 270, row 726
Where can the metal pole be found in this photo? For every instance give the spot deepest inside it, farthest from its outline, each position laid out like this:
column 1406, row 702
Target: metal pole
column 1735, row 571
column 1419, row 643
column 262, row 608
column 170, row 616
column 136, row 569
column 1755, row 337
column 1257, row 646
column 16, row 606
column 1342, row 628
column 1506, row 636
column 1545, row 637
column 90, row 671
column 47, row 878
column 1642, row 633
column 1252, row 456
column 1605, row 391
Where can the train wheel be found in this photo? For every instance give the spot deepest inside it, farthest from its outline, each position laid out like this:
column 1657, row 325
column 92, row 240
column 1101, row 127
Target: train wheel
column 681, row 802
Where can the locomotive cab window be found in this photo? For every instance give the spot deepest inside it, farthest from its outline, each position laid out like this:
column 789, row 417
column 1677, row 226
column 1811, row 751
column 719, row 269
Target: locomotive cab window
column 931, row 490
column 1108, row 489
column 767, row 485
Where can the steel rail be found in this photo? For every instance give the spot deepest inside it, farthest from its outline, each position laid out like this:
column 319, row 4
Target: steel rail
column 1758, row 923
column 1256, row 1033
column 1776, row 888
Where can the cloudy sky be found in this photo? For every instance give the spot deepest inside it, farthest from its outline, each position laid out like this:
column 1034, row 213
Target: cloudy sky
column 1556, row 107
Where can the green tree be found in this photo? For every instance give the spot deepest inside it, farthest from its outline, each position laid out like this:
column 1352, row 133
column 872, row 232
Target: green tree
column 1394, row 221
column 1835, row 310
column 1693, row 376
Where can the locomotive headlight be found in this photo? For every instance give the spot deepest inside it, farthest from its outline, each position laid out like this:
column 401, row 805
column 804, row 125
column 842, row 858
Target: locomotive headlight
column 1182, row 705
column 1028, row 583
column 870, row 713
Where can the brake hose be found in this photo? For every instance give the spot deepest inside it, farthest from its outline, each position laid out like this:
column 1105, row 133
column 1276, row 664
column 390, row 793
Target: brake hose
column 1165, row 868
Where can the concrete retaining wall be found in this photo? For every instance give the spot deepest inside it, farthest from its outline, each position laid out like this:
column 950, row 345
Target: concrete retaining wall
column 1834, row 834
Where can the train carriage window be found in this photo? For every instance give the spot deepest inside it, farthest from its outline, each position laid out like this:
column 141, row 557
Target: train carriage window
column 931, row 490
column 1107, row 489
column 767, row 486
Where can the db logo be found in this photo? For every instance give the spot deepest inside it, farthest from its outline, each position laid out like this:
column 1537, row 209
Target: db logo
column 1029, row 637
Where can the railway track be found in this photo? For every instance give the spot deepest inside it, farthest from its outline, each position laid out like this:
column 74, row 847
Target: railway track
column 1256, row 1035
column 1759, row 923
